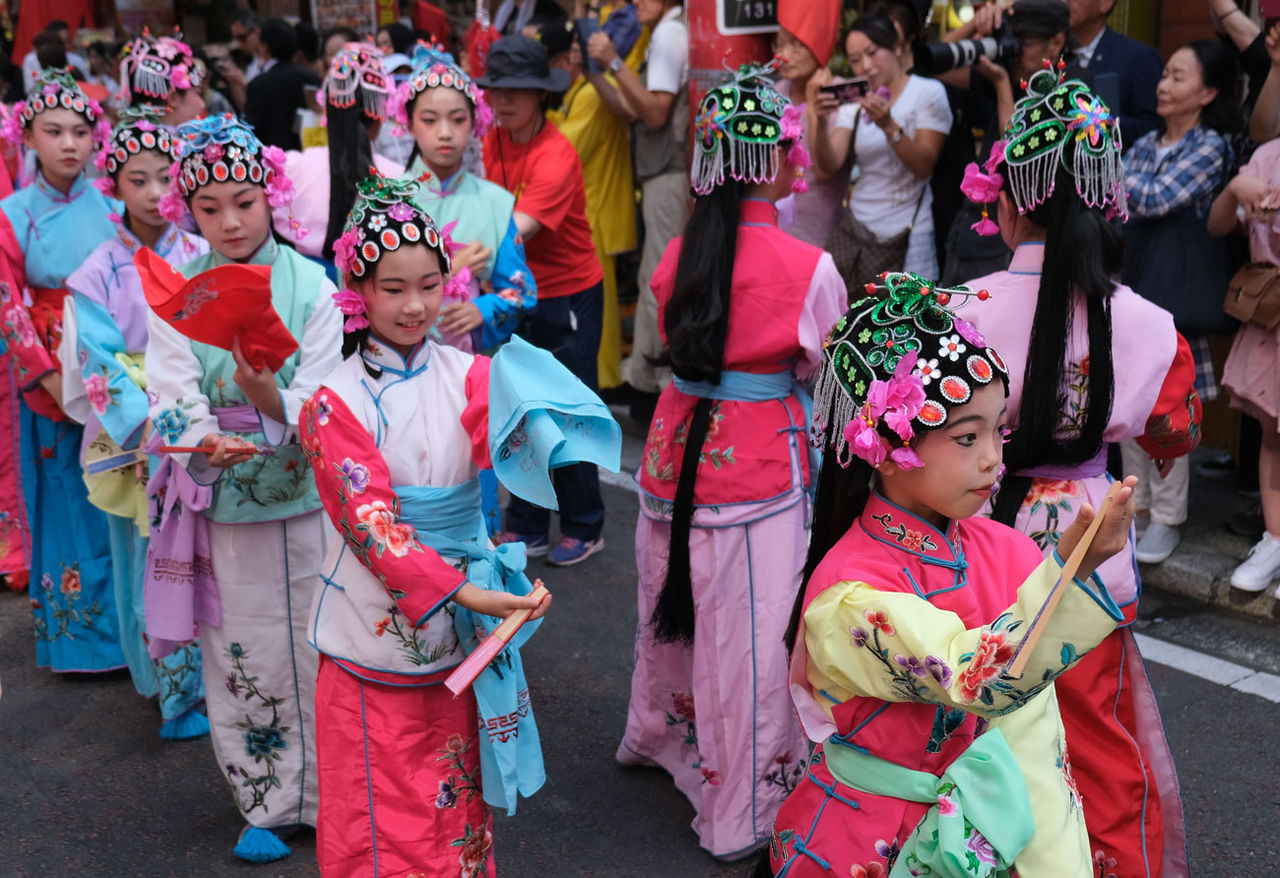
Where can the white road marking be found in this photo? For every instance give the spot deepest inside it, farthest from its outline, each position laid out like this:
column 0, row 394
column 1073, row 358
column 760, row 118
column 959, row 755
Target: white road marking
column 624, row 479
column 1208, row 667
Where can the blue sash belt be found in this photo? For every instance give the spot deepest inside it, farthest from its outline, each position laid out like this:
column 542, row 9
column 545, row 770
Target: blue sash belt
column 451, row 522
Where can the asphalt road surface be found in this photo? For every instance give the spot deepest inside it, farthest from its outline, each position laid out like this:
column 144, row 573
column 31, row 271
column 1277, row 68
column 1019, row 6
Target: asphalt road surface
column 88, row 788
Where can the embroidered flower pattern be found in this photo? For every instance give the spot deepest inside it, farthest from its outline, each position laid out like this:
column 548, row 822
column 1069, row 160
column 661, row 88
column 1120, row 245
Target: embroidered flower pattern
column 387, row 533
column 988, row 660
column 927, row 370
column 951, row 347
column 98, row 392
column 355, row 477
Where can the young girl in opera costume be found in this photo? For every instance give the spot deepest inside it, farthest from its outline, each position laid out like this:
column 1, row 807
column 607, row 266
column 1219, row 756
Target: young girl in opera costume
column 104, row 387
column 1062, row 179
column 445, row 112
column 932, row 759
column 355, row 94
column 253, row 520
column 743, row 309
column 47, row 230
column 162, row 72
column 396, row 436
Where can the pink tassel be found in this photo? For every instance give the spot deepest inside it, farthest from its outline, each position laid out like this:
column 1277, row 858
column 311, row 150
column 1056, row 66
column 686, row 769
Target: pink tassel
column 985, row 227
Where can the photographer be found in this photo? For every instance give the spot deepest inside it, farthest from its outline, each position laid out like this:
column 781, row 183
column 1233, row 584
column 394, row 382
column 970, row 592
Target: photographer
column 1043, row 29
column 894, row 135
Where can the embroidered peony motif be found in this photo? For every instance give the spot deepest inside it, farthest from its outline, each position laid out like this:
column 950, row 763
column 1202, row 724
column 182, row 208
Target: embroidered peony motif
column 380, row 523
column 98, row 392
column 988, row 660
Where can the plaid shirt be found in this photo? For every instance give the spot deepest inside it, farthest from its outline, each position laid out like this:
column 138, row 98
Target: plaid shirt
column 1191, row 175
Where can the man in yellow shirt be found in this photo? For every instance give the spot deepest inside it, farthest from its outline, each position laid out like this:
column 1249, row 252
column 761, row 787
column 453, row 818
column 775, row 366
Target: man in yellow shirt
column 599, row 131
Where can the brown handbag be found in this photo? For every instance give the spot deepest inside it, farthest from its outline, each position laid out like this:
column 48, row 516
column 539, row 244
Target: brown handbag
column 858, row 254
column 1253, row 295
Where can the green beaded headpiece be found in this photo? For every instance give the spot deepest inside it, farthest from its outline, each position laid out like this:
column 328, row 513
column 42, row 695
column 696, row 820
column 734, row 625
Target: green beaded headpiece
column 739, row 124
column 903, row 320
column 1060, row 123
column 384, row 217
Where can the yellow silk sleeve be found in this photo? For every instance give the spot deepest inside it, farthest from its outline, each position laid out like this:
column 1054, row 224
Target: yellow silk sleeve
column 896, row 646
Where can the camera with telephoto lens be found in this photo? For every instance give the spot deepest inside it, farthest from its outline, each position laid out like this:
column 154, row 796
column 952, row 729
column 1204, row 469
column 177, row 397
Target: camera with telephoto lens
column 1002, row 46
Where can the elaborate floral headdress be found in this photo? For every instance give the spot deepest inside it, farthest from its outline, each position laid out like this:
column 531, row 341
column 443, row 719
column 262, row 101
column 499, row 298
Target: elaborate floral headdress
column 435, row 68
column 224, row 149
column 897, row 362
column 356, row 73
column 384, row 218
column 155, row 67
column 1059, row 123
column 55, row 89
column 739, row 123
column 139, row 129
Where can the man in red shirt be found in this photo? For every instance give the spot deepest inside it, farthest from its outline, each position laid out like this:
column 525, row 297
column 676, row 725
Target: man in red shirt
column 530, row 158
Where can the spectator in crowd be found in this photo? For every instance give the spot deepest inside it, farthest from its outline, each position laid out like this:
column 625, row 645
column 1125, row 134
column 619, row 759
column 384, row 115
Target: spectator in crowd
column 50, row 52
column 513, row 16
column 103, row 65
column 1043, row 27
column 1252, row 372
column 308, row 46
column 1242, row 33
column 274, row 97
column 1172, row 177
column 333, row 42
column 35, row 16
column 246, row 38
column 600, row 135
column 659, row 105
column 62, row 32
column 1265, row 123
column 894, row 135
column 532, row 160
column 1123, row 71
column 396, row 42
column 803, row 45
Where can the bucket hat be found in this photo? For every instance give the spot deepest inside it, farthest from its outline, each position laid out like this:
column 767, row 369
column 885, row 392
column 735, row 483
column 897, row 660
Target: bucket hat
column 521, row 62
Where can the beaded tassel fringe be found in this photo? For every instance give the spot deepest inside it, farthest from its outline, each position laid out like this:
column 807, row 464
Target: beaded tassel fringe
column 743, row 161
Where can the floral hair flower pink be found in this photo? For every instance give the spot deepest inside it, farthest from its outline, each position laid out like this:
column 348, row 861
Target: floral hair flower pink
column 797, row 155
column 894, row 403
column 982, row 188
column 344, row 249
column 458, row 289
column 173, row 206
column 353, row 305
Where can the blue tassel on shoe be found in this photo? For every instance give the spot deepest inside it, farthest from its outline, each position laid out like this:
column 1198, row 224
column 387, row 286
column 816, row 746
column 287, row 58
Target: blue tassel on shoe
column 258, row 845
column 192, row 724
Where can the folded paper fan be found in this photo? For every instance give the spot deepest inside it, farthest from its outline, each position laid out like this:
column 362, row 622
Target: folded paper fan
column 216, row 306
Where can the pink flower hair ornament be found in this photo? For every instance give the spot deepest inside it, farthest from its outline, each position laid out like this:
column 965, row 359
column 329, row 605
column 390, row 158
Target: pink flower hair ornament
column 982, row 187
column 458, row 287
column 353, row 305
column 893, row 403
column 797, row 155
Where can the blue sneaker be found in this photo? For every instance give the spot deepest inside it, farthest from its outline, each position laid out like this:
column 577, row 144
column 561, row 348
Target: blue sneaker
column 534, row 547
column 569, row 551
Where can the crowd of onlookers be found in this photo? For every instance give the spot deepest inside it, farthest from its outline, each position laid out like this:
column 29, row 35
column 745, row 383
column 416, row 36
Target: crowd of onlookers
column 884, row 189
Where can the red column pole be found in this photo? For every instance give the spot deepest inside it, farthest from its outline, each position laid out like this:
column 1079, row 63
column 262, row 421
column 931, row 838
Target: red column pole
column 711, row 51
